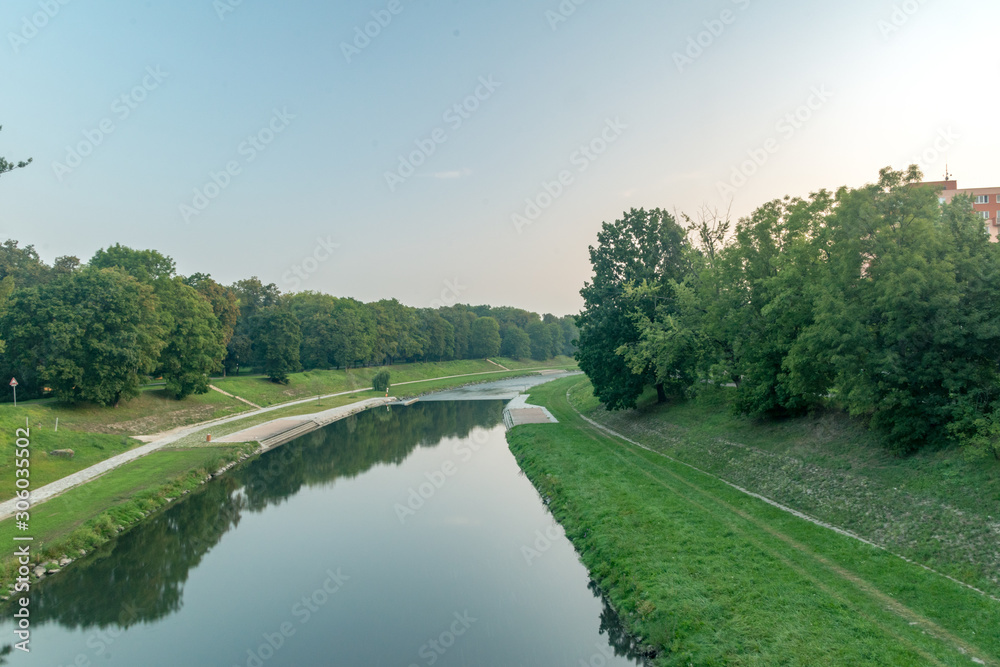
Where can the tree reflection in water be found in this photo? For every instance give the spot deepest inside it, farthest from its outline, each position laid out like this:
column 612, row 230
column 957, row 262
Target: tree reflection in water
column 140, row 576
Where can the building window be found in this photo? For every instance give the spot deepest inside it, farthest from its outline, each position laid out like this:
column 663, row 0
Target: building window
column 998, row 199
column 941, row 199
column 982, row 199
column 984, row 214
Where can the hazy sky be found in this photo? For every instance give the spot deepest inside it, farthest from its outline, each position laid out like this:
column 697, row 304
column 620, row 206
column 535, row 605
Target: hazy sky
column 250, row 137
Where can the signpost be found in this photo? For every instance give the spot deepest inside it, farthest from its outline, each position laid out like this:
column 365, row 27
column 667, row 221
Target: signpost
column 13, row 384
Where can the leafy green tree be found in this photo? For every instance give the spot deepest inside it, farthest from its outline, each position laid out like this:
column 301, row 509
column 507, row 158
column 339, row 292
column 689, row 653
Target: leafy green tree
column 276, row 342
column 461, row 319
column 93, row 335
column 644, row 247
column 225, row 304
column 193, row 338
column 381, row 381
column 146, row 266
column 907, row 322
column 541, row 341
column 437, row 336
column 484, row 338
column 6, row 166
column 514, row 342
column 22, row 265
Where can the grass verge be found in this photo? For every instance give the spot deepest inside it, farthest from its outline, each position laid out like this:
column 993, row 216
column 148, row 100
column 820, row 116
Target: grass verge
column 704, row 574
column 89, row 515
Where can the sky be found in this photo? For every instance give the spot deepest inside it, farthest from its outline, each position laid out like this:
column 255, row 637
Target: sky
column 442, row 152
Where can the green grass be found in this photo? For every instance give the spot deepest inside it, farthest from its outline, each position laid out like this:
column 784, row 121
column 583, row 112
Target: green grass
column 708, row 575
column 935, row 507
column 88, row 448
column 153, row 411
column 89, row 515
column 259, row 390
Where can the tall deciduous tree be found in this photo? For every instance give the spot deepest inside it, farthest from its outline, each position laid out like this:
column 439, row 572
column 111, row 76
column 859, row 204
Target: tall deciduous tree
column 644, row 247
column 484, row 338
column 277, row 342
column 93, row 335
column 192, row 335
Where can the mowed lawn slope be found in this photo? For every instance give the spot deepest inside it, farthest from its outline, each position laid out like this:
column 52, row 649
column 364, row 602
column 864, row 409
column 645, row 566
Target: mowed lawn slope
column 707, row 575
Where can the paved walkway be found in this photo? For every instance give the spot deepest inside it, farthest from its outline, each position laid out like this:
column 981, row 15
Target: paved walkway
column 160, row 440
column 154, row 442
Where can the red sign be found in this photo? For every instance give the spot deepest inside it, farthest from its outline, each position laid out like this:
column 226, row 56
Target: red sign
column 13, row 382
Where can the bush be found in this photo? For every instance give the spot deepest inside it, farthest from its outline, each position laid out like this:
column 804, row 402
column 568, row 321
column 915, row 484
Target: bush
column 381, row 381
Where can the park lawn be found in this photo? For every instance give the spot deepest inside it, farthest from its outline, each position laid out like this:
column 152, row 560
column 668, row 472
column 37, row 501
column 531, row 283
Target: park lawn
column 259, row 390
column 152, row 411
column 936, row 507
column 705, row 574
column 88, row 515
column 88, row 448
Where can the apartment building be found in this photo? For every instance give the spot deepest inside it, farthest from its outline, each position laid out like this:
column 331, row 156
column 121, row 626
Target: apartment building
column 986, row 201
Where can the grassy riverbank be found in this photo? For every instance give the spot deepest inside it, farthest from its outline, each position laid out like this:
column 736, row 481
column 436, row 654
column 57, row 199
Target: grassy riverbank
column 91, row 514
column 706, row 574
column 96, row 433
column 87, row 516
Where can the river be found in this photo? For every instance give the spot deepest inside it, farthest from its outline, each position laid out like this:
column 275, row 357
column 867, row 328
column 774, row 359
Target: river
column 402, row 536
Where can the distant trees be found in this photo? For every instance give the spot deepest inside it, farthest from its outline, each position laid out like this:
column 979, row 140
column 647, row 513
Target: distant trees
column 96, row 332
column 484, row 338
column 879, row 297
column 91, row 335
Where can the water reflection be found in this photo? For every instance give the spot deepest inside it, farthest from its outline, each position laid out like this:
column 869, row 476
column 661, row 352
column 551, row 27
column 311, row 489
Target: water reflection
column 140, row 577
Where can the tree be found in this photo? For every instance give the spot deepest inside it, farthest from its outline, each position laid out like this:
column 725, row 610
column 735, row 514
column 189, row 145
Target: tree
column 514, row 342
column 146, row 266
column 93, row 335
column 484, row 338
column 23, row 265
column 541, row 340
column 225, row 304
column 193, row 338
column 6, row 166
column 276, row 343
column 644, row 247
column 381, row 381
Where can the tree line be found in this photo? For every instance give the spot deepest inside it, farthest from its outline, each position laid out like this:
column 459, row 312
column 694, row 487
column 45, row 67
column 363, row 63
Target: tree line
column 882, row 300
column 96, row 332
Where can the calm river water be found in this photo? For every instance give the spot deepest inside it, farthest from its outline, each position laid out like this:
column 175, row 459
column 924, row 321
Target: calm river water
column 403, row 536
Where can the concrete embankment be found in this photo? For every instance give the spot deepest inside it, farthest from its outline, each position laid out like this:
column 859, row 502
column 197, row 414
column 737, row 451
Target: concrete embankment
column 279, row 431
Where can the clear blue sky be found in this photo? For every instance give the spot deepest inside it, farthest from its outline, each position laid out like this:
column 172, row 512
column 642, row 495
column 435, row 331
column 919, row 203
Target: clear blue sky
column 885, row 84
